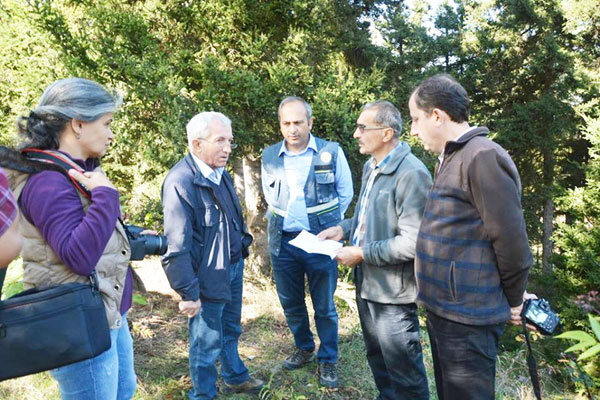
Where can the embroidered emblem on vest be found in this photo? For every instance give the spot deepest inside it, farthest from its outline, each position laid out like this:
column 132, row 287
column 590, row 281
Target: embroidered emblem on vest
column 326, row 157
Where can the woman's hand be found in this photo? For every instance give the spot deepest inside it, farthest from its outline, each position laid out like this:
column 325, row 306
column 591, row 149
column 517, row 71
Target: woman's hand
column 91, row 180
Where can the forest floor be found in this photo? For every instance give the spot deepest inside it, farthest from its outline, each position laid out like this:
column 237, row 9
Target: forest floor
column 161, row 351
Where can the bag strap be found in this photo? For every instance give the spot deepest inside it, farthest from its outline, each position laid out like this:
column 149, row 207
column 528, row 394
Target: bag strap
column 93, row 277
column 64, row 162
column 531, row 362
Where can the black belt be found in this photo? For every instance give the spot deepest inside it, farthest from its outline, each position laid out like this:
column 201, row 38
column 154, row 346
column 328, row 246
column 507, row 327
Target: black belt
column 290, row 234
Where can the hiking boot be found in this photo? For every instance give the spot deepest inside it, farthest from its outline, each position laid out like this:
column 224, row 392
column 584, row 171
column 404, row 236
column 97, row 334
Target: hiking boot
column 252, row 385
column 328, row 375
column 298, row 359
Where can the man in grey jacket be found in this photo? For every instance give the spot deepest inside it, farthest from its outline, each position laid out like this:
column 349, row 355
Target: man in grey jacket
column 382, row 236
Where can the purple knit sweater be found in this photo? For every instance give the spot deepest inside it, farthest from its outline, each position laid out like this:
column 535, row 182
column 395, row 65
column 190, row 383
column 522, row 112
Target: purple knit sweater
column 51, row 203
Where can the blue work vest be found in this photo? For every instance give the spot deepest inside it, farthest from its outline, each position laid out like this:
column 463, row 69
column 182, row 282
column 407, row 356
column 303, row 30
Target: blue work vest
column 320, row 194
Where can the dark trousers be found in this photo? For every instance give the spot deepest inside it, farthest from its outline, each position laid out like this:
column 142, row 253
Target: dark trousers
column 391, row 334
column 289, row 270
column 464, row 358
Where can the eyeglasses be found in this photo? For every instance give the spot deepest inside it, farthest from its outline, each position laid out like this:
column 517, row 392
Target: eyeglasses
column 222, row 143
column 363, row 128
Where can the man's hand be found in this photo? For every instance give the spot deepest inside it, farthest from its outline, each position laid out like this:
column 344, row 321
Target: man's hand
column 350, row 255
column 334, row 233
column 91, row 180
column 515, row 312
column 190, row 308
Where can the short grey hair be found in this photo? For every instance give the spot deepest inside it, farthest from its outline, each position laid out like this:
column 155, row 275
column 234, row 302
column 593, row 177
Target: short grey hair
column 62, row 101
column 387, row 115
column 290, row 99
column 199, row 125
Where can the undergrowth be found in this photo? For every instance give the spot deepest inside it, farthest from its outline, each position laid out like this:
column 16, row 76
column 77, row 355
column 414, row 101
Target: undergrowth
column 161, row 346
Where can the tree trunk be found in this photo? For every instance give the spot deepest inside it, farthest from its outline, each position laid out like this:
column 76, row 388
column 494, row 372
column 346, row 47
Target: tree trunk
column 548, row 218
column 548, row 245
column 248, row 188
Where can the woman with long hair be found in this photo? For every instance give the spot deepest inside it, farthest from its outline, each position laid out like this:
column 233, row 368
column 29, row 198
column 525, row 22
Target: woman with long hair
column 68, row 235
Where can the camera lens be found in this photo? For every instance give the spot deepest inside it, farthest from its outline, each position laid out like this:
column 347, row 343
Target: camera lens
column 155, row 245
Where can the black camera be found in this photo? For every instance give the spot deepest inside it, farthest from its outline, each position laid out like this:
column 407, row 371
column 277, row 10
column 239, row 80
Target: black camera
column 144, row 245
column 539, row 313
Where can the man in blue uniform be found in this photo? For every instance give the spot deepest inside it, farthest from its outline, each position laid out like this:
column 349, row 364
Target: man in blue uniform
column 307, row 185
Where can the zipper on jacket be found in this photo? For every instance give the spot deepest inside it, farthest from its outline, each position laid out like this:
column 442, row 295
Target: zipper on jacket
column 452, row 280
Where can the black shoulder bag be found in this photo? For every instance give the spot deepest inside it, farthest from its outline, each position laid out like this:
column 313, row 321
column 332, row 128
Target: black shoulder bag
column 42, row 329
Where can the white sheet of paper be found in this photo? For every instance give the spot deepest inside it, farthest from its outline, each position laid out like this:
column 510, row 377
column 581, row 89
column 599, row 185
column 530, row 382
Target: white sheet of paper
column 311, row 244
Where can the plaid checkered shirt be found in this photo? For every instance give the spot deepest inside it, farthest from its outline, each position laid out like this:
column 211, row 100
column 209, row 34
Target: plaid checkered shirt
column 8, row 206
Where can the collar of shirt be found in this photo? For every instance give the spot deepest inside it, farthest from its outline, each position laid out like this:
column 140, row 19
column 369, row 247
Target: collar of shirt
column 362, row 202
column 213, row 175
column 312, row 144
column 441, row 156
column 386, row 159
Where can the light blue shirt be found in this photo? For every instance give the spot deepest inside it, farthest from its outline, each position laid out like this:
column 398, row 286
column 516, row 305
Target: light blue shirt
column 213, row 175
column 297, row 167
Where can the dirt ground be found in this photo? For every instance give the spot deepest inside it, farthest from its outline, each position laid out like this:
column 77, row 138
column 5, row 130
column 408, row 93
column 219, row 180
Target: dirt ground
column 161, row 342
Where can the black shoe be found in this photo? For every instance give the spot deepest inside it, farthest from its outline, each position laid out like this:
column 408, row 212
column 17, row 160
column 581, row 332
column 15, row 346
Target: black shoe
column 298, row 359
column 252, row 385
column 328, row 375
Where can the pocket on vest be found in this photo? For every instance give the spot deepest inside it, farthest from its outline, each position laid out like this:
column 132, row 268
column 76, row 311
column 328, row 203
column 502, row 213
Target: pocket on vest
column 325, row 181
column 329, row 218
column 272, row 185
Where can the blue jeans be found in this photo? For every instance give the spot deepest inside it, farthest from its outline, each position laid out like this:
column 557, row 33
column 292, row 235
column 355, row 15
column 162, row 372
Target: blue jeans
column 464, row 358
column 214, row 333
column 108, row 376
column 289, row 269
column 391, row 334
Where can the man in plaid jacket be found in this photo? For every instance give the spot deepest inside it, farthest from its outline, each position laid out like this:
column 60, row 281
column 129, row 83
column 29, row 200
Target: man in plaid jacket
column 473, row 255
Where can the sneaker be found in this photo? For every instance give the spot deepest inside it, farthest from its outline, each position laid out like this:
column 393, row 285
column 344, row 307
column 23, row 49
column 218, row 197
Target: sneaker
column 328, row 375
column 252, row 385
column 298, row 359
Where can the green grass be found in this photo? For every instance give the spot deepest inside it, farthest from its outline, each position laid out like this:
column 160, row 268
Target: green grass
column 12, row 283
column 161, row 346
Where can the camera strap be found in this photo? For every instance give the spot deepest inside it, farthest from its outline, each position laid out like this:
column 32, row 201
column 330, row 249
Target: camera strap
column 531, row 362
column 62, row 161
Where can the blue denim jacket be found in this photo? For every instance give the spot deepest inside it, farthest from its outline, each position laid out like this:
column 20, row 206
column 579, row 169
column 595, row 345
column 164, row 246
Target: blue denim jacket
column 197, row 260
